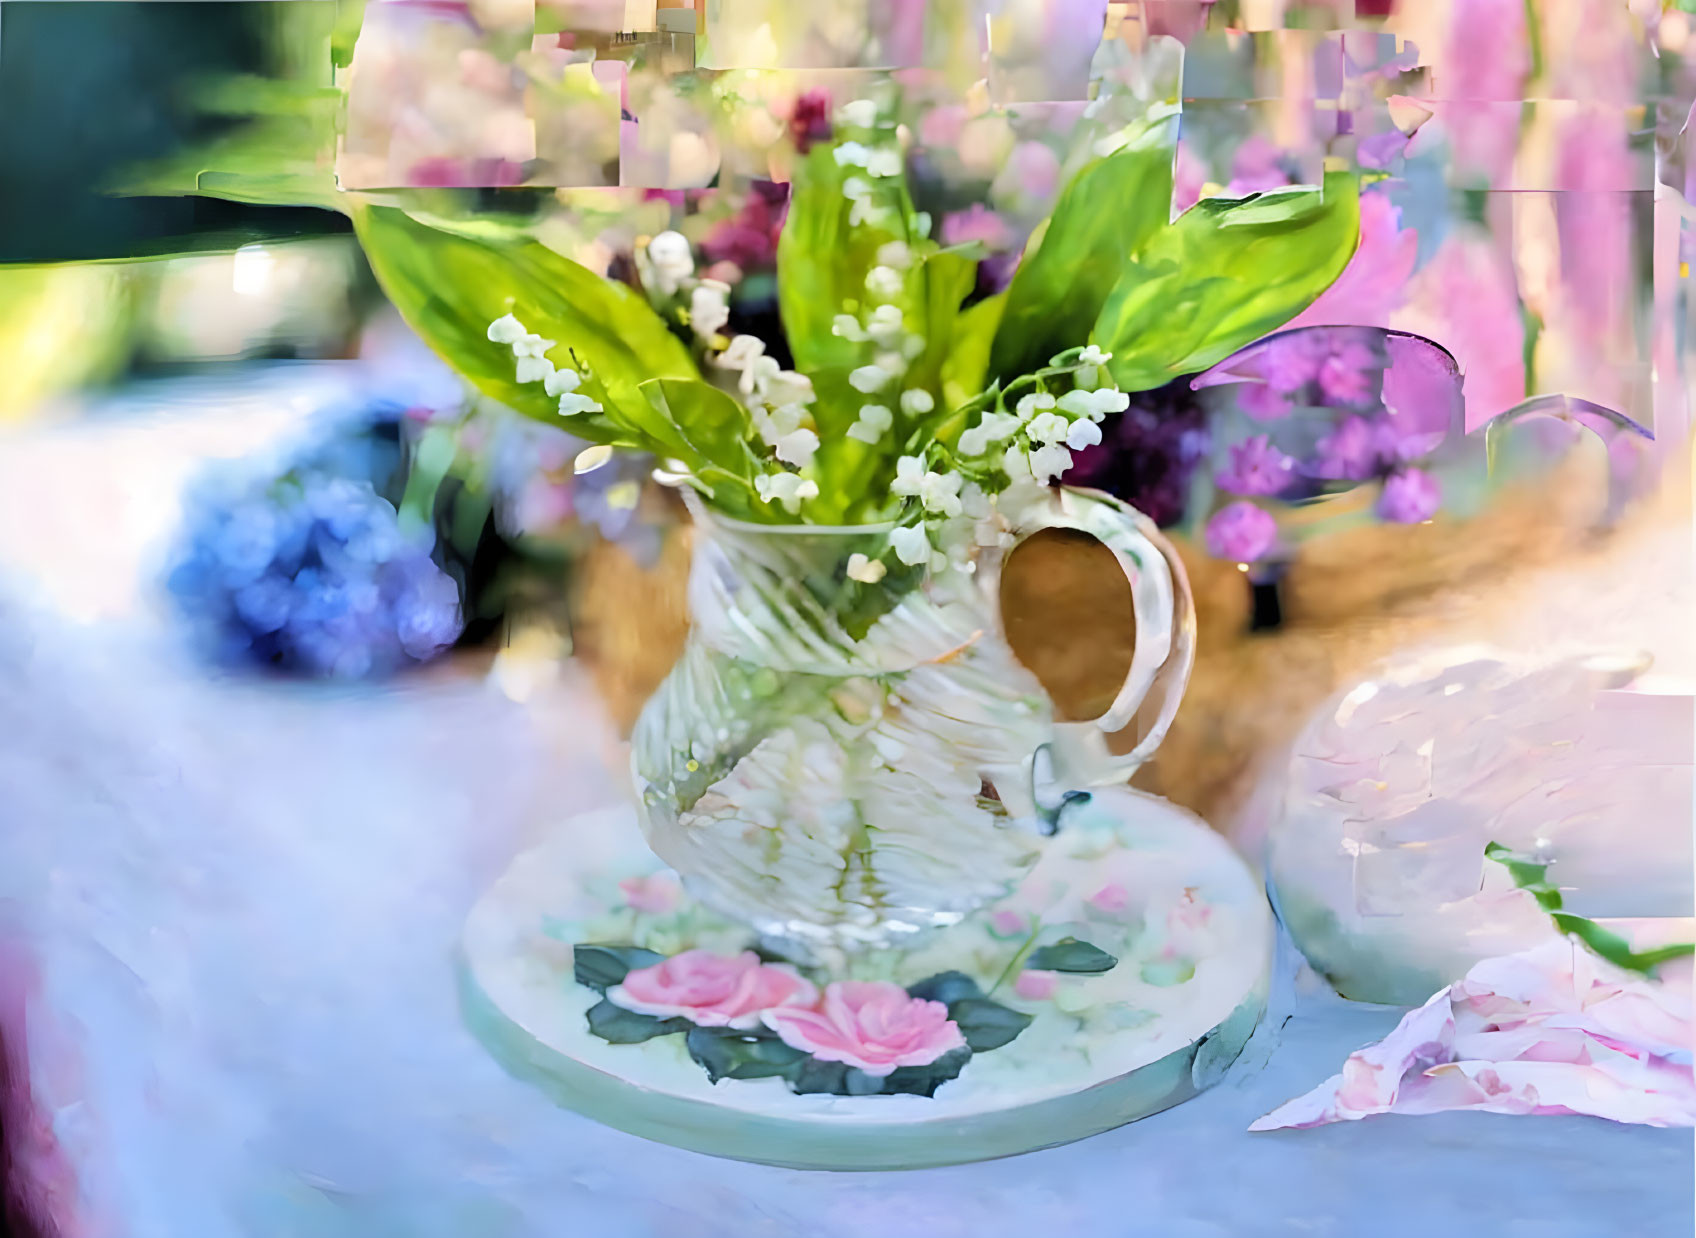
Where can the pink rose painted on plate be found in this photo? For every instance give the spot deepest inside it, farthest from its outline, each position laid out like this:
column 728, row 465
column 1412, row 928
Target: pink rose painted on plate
column 654, row 895
column 1036, row 986
column 874, row 1026
column 712, row 990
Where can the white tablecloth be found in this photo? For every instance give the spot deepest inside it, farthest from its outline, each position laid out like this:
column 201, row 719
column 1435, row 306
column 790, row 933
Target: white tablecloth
column 241, row 902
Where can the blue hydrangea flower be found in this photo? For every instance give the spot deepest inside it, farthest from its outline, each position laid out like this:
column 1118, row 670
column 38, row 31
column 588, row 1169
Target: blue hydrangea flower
column 313, row 574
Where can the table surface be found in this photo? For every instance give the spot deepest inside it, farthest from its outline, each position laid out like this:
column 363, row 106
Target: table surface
column 241, row 903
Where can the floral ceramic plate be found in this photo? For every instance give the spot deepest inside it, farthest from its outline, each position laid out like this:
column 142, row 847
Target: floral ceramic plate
column 1122, row 977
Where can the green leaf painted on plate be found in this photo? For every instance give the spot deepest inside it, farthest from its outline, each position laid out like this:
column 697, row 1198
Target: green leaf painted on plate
column 946, row 987
column 616, row 1025
column 985, row 1024
column 602, row 967
column 1071, row 955
column 1164, row 973
column 727, row 1054
column 924, row 1080
column 836, row 1079
column 1225, row 274
column 1108, row 212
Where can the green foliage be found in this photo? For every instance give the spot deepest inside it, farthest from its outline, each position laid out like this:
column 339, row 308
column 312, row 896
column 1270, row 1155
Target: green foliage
column 284, row 155
column 728, row 1054
column 619, row 1026
column 965, row 372
column 946, row 987
column 450, row 283
column 1071, row 955
column 947, row 278
column 1225, row 274
column 698, row 418
column 1532, row 877
column 984, row 1023
column 837, row 1079
column 604, row 967
column 822, row 261
column 1106, row 214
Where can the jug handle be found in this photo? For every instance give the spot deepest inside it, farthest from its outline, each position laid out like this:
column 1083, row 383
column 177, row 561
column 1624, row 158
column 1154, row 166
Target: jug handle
column 1165, row 639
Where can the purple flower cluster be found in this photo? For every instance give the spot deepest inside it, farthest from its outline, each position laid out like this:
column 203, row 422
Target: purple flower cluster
column 1333, row 368
column 312, row 574
column 1150, row 453
column 1393, row 399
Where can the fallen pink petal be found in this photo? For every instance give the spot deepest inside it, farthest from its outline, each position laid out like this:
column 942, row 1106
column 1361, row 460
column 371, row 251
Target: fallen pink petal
column 1553, row 1030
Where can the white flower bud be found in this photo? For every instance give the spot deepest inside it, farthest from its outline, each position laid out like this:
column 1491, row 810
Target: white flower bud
column 866, row 571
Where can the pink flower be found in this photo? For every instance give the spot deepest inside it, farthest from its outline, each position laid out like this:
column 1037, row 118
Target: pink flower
column 1261, row 402
column 1241, row 533
column 809, row 119
column 1348, row 453
column 942, row 126
column 1112, row 898
column 1007, row 923
column 1467, row 300
column 711, row 990
column 1553, row 1029
column 1189, row 178
column 1375, row 281
column 655, row 894
column 1410, row 497
column 1257, row 467
column 1479, row 83
column 1291, row 361
column 1181, row 19
column 872, row 1025
column 1346, row 376
column 1032, row 173
column 1036, row 986
column 1593, row 221
column 1257, row 167
column 976, row 223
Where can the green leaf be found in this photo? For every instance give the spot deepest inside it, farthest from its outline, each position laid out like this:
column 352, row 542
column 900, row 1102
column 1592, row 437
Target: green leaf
column 949, row 277
column 830, row 1078
column 705, row 421
column 1532, row 877
column 1071, row 955
column 350, row 17
column 1227, row 273
column 727, row 1054
column 965, row 372
column 924, row 1080
column 602, row 967
column 947, row 987
column 1528, row 875
column 836, row 1079
column 1163, row 973
column 1108, row 212
column 985, row 1024
column 450, row 286
column 821, row 263
column 619, row 1026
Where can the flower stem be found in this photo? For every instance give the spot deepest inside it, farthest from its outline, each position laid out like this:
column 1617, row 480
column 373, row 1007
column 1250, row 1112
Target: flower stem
column 1019, row 957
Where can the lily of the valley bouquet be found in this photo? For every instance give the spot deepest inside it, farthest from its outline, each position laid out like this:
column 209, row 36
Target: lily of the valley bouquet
column 887, row 390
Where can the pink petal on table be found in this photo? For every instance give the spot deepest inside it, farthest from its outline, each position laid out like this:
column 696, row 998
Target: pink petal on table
column 1554, row 1029
column 1372, row 1077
